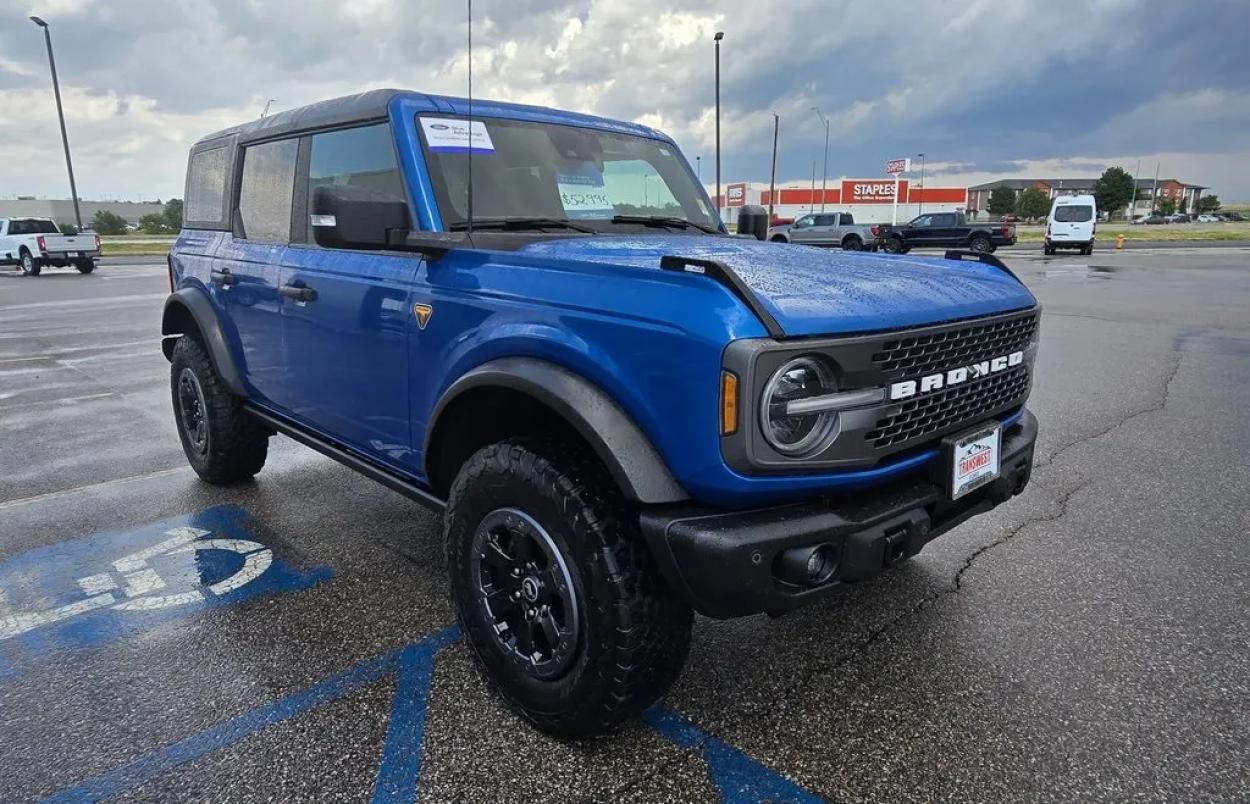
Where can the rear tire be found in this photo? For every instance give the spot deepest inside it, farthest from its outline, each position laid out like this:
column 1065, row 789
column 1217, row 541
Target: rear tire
column 981, row 245
column 222, row 441
column 29, row 265
column 563, row 605
column 85, row 266
column 852, row 244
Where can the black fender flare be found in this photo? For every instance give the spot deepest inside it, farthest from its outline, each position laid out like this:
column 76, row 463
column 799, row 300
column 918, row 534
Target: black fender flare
column 616, row 439
column 194, row 303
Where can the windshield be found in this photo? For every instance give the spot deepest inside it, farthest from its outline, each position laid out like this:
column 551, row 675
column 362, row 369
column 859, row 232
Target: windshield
column 1074, row 213
column 556, row 172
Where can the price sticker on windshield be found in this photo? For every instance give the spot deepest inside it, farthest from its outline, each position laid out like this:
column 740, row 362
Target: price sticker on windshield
column 450, row 135
column 582, row 194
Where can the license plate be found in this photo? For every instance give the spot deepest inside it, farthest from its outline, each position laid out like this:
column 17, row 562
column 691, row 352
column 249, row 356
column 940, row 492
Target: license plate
column 72, row 254
column 974, row 459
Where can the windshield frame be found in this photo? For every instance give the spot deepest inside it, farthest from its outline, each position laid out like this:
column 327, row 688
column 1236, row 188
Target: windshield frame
column 452, row 218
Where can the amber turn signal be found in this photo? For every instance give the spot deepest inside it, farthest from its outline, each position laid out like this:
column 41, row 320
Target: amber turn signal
column 728, row 403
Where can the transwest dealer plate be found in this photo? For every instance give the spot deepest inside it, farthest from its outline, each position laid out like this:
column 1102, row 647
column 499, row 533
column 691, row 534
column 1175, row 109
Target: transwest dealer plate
column 974, row 459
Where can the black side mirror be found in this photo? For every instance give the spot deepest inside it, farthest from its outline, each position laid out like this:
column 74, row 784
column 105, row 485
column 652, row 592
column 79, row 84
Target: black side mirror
column 753, row 221
column 356, row 217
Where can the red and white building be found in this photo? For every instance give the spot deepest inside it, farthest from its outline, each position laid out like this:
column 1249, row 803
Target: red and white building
column 869, row 200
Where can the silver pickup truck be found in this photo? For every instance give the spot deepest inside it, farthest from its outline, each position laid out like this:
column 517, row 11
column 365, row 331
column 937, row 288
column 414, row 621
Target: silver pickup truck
column 827, row 229
column 32, row 243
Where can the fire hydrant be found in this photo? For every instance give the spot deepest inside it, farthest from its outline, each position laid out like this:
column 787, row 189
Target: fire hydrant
column 1119, row 241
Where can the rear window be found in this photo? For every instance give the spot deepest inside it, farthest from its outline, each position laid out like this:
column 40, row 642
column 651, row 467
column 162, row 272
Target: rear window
column 1074, row 213
column 29, row 227
column 206, row 185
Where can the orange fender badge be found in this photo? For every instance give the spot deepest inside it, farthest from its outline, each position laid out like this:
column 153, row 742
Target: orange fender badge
column 423, row 312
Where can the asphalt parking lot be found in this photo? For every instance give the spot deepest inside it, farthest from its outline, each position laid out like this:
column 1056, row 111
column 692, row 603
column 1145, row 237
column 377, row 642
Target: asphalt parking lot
column 292, row 638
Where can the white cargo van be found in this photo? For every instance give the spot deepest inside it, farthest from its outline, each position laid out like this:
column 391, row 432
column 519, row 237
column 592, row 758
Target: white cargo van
column 1072, row 224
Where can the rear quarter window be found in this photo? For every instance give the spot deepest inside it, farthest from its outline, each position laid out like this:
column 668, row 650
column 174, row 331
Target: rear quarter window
column 1074, row 213
column 206, row 187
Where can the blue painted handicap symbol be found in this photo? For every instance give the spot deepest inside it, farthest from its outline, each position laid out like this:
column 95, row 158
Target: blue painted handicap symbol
column 84, row 592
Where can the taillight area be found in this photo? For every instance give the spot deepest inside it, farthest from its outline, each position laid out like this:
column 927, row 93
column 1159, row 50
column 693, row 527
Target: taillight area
column 1006, row 230
column 169, row 269
column 43, row 244
column 97, row 242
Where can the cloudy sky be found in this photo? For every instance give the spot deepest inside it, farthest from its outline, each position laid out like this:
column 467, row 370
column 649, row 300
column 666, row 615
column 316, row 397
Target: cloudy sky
column 986, row 88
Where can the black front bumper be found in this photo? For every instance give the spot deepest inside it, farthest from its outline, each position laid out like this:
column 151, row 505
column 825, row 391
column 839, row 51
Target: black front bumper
column 724, row 562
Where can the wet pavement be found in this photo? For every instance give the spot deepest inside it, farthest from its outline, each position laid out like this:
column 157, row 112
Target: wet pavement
column 290, row 639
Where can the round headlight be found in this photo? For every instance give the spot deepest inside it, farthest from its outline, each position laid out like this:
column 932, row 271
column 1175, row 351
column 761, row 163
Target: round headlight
column 797, row 434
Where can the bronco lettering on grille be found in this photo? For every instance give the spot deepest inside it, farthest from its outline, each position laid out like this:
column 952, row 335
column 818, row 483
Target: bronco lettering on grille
column 955, row 376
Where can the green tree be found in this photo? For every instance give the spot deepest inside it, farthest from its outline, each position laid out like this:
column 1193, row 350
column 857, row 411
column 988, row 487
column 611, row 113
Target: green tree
column 153, row 223
column 173, row 214
column 67, row 228
column 1165, row 205
column 1208, row 204
column 1002, row 201
column 1032, row 203
column 108, row 223
column 1113, row 190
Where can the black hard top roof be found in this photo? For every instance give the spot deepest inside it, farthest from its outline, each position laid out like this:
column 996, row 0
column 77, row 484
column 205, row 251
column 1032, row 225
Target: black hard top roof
column 371, row 105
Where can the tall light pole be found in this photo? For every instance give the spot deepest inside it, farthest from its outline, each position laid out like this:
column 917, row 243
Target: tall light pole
column 772, row 179
column 719, row 36
column 824, row 181
column 1132, row 205
column 920, row 209
column 56, row 90
column 265, row 111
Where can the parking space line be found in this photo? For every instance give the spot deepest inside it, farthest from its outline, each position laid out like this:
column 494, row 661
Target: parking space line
column 52, row 495
column 404, row 761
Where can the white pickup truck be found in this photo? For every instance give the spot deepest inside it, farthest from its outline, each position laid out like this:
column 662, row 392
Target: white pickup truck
column 31, row 243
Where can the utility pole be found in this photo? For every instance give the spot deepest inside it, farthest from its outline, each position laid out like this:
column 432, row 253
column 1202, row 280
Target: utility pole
column 1132, row 205
column 811, row 206
column 772, row 179
column 824, row 181
column 698, row 168
column 920, row 198
column 265, row 111
column 1154, row 191
column 719, row 36
column 56, row 90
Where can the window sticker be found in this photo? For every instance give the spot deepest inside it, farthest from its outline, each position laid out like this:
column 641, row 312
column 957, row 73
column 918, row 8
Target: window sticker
column 582, row 194
column 450, row 135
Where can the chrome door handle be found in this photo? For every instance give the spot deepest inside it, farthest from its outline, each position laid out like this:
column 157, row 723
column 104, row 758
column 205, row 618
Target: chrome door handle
column 298, row 293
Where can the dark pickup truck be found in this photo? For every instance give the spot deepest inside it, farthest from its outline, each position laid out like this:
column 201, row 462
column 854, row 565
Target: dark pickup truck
column 945, row 230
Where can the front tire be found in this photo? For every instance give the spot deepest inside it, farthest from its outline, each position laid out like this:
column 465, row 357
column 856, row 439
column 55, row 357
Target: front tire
column 564, row 607
column 29, row 265
column 223, row 443
column 894, row 245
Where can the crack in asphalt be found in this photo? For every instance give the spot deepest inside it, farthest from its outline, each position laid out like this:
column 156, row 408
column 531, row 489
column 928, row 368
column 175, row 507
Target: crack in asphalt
column 1058, row 510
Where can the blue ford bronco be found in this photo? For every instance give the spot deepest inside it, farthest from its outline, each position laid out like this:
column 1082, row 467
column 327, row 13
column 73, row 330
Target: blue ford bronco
column 534, row 322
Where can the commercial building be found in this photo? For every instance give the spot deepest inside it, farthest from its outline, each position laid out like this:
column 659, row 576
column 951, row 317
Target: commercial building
column 869, row 200
column 61, row 210
column 1184, row 195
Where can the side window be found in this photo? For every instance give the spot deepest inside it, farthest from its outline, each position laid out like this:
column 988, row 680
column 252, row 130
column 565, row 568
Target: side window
column 358, row 160
column 826, row 220
column 923, row 220
column 266, row 188
column 848, row 219
column 804, row 222
column 206, row 185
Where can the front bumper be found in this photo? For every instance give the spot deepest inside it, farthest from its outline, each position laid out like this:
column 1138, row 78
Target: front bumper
column 723, row 562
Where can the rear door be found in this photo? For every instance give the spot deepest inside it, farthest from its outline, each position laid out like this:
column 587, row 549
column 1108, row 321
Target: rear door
column 248, row 265
column 824, row 233
column 1072, row 223
column 347, row 348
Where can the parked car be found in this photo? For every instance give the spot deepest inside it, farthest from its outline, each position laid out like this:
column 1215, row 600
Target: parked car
column 1177, row 217
column 1153, row 219
column 1209, row 219
column 32, row 243
column 827, row 229
column 1072, row 223
column 1233, row 216
column 620, row 418
column 947, row 230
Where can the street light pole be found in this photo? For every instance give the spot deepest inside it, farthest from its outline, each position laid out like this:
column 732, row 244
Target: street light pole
column 719, row 36
column 265, row 111
column 772, row 179
column 920, row 200
column 824, row 181
column 56, row 90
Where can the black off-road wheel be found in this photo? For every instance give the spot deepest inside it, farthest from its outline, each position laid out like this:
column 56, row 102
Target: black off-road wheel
column 894, row 245
column 29, row 265
column 223, row 443
column 565, row 609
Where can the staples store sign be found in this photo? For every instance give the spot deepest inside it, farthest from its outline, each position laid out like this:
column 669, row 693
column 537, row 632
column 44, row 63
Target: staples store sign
column 877, row 191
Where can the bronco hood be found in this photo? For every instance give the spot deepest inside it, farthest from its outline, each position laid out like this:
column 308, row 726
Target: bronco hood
column 814, row 291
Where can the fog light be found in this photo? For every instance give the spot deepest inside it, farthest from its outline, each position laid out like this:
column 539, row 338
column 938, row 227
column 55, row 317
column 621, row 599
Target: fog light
column 807, row 566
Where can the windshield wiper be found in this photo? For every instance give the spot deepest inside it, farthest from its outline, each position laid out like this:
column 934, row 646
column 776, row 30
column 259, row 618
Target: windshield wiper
column 663, row 220
column 521, row 223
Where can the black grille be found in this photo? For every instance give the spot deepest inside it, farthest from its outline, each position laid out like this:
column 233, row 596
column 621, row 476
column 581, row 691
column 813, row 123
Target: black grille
column 933, row 352
column 938, row 411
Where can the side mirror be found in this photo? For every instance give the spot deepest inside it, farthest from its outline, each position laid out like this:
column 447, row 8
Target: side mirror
column 753, row 221
column 356, row 217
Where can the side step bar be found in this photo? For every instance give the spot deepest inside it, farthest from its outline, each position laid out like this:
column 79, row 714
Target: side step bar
column 351, row 460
